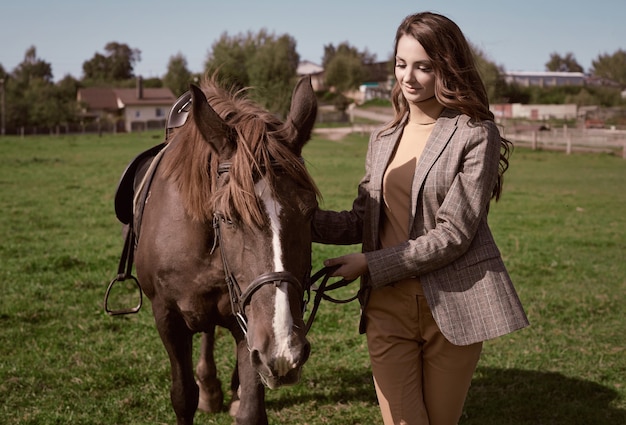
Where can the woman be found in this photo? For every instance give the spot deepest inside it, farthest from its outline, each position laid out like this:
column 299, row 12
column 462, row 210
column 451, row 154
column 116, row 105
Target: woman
column 433, row 283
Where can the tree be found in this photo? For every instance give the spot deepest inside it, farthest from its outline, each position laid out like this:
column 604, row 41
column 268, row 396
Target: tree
column 345, row 73
column 612, row 67
column 330, row 51
column 115, row 65
column 229, row 58
column 345, row 67
column 491, row 75
column 29, row 91
column 31, row 69
column 565, row 63
column 32, row 100
column 273, row 70
column 66, row 90
column 263, row 61
column 178, row 76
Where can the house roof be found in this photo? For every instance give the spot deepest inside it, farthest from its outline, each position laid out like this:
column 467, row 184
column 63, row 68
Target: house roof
column 150, row 96
column 98, row 98
column 109, row 99
column 308, row 67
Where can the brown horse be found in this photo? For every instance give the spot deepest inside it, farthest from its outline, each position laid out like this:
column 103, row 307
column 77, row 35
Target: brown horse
column 224, row 240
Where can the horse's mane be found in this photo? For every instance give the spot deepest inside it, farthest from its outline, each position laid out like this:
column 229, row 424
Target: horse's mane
column 192, row 163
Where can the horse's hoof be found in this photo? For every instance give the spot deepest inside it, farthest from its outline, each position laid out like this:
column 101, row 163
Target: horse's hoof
column 210, row 404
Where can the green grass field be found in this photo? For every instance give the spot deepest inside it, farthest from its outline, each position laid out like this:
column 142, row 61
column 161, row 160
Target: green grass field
column 561, row 226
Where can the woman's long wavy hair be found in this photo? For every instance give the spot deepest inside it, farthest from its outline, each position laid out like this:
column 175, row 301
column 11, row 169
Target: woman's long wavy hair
column 458, row 84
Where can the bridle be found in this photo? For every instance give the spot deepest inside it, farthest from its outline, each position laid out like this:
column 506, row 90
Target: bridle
column 239, row 299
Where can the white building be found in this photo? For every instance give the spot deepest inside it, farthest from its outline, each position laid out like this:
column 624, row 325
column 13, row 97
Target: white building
column 534, row 112
column 545, row 78
column 315, row 71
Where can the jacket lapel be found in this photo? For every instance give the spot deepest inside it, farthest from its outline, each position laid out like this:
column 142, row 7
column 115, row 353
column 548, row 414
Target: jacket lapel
column 384, row 150
column 437, row 142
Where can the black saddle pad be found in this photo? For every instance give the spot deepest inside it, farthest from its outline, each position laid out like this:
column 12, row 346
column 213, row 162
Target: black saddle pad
column 125, row 193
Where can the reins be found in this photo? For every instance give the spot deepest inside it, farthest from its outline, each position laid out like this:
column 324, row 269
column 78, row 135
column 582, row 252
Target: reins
column 320, row 292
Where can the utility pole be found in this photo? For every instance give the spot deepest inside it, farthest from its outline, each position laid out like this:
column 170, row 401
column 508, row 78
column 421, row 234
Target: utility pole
column 2, row 127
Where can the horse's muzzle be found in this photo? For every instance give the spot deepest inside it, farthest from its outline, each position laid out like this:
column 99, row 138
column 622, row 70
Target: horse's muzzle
column 276, row 336
column 278, row 371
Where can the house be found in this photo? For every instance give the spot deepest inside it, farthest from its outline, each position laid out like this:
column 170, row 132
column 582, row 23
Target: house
column 132, row 109
column 315, row 71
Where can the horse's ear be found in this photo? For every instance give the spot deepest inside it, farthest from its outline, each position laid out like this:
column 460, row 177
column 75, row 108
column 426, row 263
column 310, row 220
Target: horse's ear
column 303, row 110
column 213, row 128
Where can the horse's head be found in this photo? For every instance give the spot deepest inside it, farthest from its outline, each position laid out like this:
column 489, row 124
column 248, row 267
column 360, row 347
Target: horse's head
column 262, row 204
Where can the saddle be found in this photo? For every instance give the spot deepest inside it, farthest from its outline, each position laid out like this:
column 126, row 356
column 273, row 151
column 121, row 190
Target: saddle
column 136, row 170
column 132, row 175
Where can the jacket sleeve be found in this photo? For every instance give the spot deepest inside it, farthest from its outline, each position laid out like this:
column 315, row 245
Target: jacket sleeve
column 459, row 208
column 345, row 227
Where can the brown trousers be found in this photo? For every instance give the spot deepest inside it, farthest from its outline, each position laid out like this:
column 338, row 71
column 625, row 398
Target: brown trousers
column 420, row 377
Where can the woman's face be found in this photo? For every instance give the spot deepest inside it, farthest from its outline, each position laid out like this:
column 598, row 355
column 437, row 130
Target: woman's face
column 414, row 71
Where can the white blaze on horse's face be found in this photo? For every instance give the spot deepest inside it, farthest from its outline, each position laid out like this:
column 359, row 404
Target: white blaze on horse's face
column 282, row 322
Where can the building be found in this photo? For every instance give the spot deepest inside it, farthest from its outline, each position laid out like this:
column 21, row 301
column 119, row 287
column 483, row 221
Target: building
column 534, row 112
column 545, row 78
column 378, row 84
column 133, row 109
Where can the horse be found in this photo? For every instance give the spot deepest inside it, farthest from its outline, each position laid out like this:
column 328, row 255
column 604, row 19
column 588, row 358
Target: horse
column 223, row 239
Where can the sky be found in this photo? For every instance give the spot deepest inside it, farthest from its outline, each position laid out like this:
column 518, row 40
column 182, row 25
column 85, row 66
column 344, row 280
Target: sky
column 517, row 35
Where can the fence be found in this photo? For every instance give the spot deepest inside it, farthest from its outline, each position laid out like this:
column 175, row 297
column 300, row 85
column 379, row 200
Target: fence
column 568, row 139
column 102, row 127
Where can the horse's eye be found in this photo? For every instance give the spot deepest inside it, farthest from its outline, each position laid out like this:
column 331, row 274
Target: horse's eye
column 228, row 222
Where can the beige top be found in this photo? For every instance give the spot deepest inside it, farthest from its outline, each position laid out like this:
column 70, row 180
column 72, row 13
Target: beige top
column 397, row 187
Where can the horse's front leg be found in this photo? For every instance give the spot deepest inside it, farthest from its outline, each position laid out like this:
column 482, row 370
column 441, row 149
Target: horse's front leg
column 251, row 409
column 178, row 341
column 211, row 394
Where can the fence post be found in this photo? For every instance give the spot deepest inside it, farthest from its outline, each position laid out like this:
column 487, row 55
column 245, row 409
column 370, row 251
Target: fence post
column 568, row 147
column 534, row 141
column 624, row 151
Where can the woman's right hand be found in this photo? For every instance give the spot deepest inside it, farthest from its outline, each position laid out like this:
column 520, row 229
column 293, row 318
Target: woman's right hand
column 351, row 266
